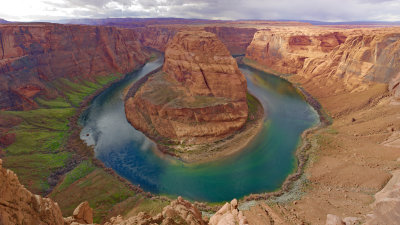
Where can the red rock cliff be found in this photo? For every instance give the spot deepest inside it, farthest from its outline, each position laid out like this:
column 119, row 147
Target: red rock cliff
column 236, row 39
column 198, row 97
column 363, row 57
column 285, row 49
column 33, row 54
column 339, row 61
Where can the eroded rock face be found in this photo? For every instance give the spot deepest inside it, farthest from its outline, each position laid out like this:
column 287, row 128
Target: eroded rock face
column 386, row 207
column 346, row 60
column 235, row 39
column 286, row 49
column 228, row 214
column 198, row 97
column 31, row 55
column 20, row 206
column 177, row 213
column 364, row 57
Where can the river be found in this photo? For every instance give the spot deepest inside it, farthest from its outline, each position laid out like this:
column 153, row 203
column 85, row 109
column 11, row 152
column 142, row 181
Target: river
column 262, row 166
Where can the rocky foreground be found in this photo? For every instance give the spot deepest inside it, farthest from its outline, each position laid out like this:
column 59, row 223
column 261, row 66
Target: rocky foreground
column 199, row 97
column 20, row 206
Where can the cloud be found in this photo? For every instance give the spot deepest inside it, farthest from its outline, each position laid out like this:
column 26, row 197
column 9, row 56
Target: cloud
column 325, row 10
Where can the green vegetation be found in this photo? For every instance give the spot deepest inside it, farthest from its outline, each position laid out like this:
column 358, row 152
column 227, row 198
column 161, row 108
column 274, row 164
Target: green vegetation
column 34, row 169
column 101, row 189
column 36, row 152
column 83, row 169
column 254, row 106
column 39, row 150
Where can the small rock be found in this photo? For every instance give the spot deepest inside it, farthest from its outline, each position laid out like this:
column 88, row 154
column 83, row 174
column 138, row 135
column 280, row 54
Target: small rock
column 234, row 203
column 353, row 120
column 333, row 220
column 83, row 213
column 351, row 220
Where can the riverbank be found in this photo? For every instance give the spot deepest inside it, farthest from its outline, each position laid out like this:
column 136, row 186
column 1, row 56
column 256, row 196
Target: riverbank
column 306, row 143
column 348, row 161
column 227, row 146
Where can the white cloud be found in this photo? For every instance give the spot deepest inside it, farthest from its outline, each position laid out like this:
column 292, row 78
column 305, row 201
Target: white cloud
column 326, row 10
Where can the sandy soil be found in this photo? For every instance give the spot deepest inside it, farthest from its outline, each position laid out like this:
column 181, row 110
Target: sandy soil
column 350, row 162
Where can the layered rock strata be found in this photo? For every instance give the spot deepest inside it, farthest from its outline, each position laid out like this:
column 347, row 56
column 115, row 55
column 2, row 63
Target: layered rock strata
column 286, row 49
column 20, row 206
column 236, row 39
column 339, row 60
column 33, row 55
column 198, row 97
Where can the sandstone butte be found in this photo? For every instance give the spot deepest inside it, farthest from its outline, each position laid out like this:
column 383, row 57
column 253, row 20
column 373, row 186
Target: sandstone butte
column 199, row 96
column 34, row 55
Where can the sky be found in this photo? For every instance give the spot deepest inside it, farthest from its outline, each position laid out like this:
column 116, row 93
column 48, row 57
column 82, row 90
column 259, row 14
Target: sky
column 321, row 10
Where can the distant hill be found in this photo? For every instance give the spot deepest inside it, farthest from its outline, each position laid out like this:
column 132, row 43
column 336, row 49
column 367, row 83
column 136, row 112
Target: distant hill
column 4, row 21
column 370, row 23
column 138, row 22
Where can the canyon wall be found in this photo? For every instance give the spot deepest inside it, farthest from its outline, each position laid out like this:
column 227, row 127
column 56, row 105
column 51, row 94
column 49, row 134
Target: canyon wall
column 198, row 97
column 346, row 60
column 32, row 55
column 157, row 37
column 235, row 39
column 370, row 56
column 285, row 49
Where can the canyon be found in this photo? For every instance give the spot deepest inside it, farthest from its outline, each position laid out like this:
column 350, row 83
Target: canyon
column 352, row 72
column 199, row 96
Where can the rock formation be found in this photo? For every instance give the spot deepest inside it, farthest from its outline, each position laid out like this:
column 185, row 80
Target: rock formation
column 236, row 39
column 198, row 97
column 20, row 206
column 386, row 207
column 83, row 214
column 228, row 214
column 178, row 212
column 350, row 59
column 286, row 49
column 32, row 55
column 363, row 57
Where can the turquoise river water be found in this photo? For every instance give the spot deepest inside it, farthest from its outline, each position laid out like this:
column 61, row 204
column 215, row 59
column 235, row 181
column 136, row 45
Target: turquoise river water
column 262, row 166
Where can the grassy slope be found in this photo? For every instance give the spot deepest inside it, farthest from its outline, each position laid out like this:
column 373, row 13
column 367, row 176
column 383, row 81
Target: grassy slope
column 39, row 150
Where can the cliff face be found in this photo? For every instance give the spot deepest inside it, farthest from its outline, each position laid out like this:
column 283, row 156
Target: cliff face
column 19, row 206
column 157, row 37
column 341, row 61
column 369, row 56
column 32, row 55
column 198, row 97
column 286, row 49
column 235, row 39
